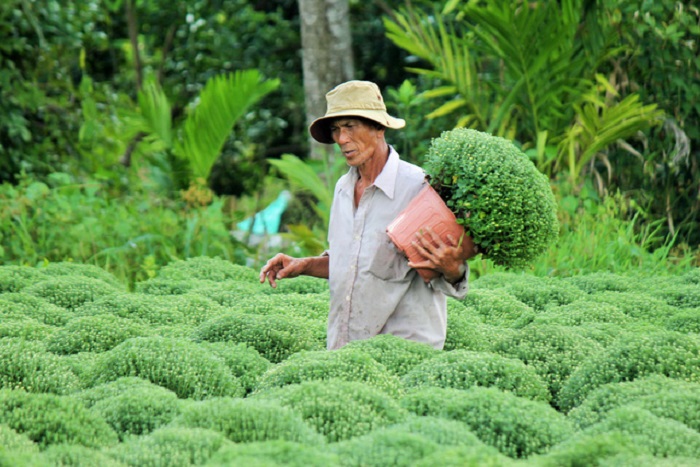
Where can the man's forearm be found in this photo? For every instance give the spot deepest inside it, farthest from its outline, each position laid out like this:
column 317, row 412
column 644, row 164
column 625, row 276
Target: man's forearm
column 316, row 266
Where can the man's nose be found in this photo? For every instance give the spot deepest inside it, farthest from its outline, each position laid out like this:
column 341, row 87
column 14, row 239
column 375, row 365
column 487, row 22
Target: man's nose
column 342, row 136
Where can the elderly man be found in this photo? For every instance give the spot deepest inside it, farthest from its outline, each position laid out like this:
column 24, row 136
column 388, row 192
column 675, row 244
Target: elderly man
column 374, row 288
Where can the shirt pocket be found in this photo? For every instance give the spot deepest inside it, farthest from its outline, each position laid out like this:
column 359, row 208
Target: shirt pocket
column 388, row 263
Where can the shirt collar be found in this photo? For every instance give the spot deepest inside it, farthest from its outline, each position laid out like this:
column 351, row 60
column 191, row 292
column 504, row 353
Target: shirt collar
column 385, row 181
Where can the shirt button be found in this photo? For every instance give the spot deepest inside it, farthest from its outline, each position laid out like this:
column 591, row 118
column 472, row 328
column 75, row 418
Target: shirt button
column 347, row 298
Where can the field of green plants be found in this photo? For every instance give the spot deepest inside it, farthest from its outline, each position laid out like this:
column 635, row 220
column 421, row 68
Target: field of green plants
column 202, row 365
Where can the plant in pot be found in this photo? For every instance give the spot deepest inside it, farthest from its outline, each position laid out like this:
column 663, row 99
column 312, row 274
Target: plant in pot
column 496, row 194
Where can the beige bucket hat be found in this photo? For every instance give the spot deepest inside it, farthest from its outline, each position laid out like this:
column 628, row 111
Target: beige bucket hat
column 353, row 99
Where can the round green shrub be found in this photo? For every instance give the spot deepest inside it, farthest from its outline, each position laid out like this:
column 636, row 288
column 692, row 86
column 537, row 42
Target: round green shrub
column 25, row 328
column 148, row 309
column 663, row 437
column 229, row 293
column 310, row 306
column 678, row 295
column 248, row 420
column 637, row 305
column 194, row 309
column 496, row 192
column 686, row 321
column 276, row 337
column 379, row 448
column 28, row 365
column 75, row 455
column 208, row 269
column 465, row 334
column 438, row 430
column 66, row 268
column 612, row 395
column 496, row 307
column 346, row 365
column 339, row 409
column 602, row 281
column 553, row 352
column 500, row 279
column 633, row 356
column 398, row 355
column 170, row 447
column 16, row 278
column 517, row 427
column 70, row 292
column 466, row 456
column 182, row 366
column 581, row 312
column 632, row 460
column 244, row 362
column 545, row 292
column 94, row 334
column 463, row 369
column 49, row 419
column 12, row 440
column 273, row 453
column 36, row 308
column 160, row 286
column 589, row 449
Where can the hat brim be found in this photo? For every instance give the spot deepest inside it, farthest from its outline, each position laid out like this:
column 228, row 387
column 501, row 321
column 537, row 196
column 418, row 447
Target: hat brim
column 320, row 128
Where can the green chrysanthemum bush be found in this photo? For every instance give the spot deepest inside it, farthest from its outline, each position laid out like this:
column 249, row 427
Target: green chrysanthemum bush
column 581, row 312
column 601, row 282
column 343, row 364
column 516, row 426
column 632, row 460
column 182, row 366
column 463, row 333
column 637, row 305
column 686, row 321
column 147, row 309
column 311, row 306
column 398, row 355
column 273, row 453
column 66, row 268
column 16, row 278
column 132, row 406
column 276, row 337
column 467, row 456
column 545, row 292
column 228, row 294
column 553, row 352
column 662, row 436
column 75, row 455
column 11, row 440
column 496, row 192
column 94, row 334
column 338, row 409
column 244, row 362
column 208, row 269
column 28, row 365
column 634, row 356
column 194, row 308
column 170, row 447
column 25, row 328
column 49, row 419
column 662, row 395
column 463, row 369
column 71, row 292
column 498, row 308
column 34, row 307
column 589, row 449
column 380, row 448
column 166, row 286
column 678, row 295
column 248, row 420
column 501, row 279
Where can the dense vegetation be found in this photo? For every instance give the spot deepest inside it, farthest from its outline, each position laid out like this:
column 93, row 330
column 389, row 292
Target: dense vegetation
column 604, row 366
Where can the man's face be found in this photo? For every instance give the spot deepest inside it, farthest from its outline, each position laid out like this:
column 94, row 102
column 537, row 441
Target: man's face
column 357, row 141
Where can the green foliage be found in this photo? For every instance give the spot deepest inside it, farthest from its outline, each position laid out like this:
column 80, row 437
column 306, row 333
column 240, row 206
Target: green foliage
column 398, row 355
column 384, row 448
column 467, row 456
column 582, row 312
column 309, row 306
column 633, row 356
column 34, row 307
column 187, row 369
column 25, row 328
column 517, row 427
column 463, row 369
column 504, row 203
column 49, row 419
column 277, row 452
column 248, row 420
column 438, row 430
column 602, row 281
column 135, row 307
column 338, row 409
column 132, row 406
column 541, row 292
column 679, row 295
column 208, row 269
column 28, row 365
column 12, row 440
column 244, row 362
column 75, row 455
column 16, row 278
column 170, row 446
column 589, row 449
column 65, row 268
column 497, row 308
column 71, row 291
column 553, row 352
column 464, row 334
column 687, row 320
column 322, row 365
column 94, row 334
column 276, row 337
column 638, row 305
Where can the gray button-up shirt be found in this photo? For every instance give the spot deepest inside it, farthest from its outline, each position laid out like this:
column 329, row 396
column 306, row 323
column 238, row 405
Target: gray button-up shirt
column 373, row 291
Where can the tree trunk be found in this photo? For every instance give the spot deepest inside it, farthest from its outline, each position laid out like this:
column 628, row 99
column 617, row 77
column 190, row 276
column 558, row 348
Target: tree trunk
column 326, row 57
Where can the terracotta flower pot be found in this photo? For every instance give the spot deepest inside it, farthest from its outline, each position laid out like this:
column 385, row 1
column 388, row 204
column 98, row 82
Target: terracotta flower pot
column 427, row 209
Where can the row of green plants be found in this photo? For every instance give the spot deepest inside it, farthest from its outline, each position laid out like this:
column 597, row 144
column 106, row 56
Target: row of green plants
column 203, row 365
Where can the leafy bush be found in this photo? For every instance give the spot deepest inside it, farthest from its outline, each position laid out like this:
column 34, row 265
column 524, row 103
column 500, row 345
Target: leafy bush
column 28, row 365
column 276, row 337
column 310, row 306
column 464, row 334
column 75, row 455
column 170, row 447
column 148, row 309
column 631, row 460
column 612, row 395
column 553, row 352
column 379, row 448
column 633, row 356
column 167, row 286
column 194, row 308
column 398, row 355
column 35, row 307
column 12, row 440
column 25, row 328
column 637, row 305
column 496, row 192
column 603, row 281
column 71, row 291
column 182, row 366
column 132, row 406
column 16, row 278
column 540, row 293
column 65, row 268
column 49, row 419
column 208, row 269
column 271, row 453
column 438, row 430
column 687, row 321
column 581, row 312
column 94, row 334
column 663, row 437
column 589, row 449
column 463, row 369
column 496, row 307
column 466, row 456
column 338, row 409
column 679, row 295
column 244, row 362
column 346, row 365
column 248, row 420
column 517, row 427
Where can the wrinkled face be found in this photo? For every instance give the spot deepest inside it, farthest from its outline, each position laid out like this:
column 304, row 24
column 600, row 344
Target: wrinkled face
column 357, row 141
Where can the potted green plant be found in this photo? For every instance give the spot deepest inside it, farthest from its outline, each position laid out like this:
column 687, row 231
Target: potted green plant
column 496, row 193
